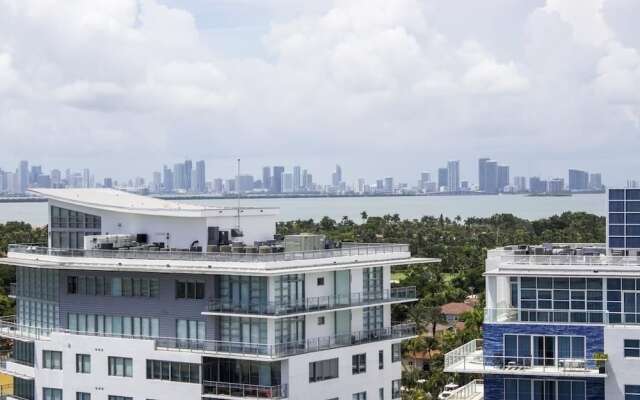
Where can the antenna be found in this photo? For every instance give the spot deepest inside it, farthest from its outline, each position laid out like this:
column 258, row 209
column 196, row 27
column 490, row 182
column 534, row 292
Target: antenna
column 238, row 192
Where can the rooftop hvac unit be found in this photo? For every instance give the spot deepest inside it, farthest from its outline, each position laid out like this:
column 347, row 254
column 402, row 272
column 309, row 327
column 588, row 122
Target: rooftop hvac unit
column 303, row 242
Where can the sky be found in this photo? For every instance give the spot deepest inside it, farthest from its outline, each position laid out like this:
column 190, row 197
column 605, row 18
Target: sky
column 383, row 88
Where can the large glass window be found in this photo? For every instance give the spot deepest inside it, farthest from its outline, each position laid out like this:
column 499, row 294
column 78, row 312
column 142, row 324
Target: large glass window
column 173, row 371
column 243, row 330
column 323, row 370
column 242, row 371
column 373, row 318
column 289, row 290
column 114, row 286
column 115, row 325
column 68, row 228
column 528, row 389
column 372, row 283
column 121, row 366
column 189, row 289
column 245, row 292
column 541, row 349
column 51, row 359
column 631, row 392
column 623, row 300
column 632, row 348
column 561, row 299
column 290, row 330
column 190, row 329
column 51, row 393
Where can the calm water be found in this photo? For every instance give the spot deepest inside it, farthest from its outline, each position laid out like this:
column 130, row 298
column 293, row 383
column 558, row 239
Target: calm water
column 407, row 207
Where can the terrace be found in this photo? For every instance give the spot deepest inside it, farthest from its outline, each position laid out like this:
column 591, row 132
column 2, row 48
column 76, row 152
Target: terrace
column 469, row 358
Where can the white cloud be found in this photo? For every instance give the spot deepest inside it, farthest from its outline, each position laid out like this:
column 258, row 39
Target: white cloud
column 335, row 81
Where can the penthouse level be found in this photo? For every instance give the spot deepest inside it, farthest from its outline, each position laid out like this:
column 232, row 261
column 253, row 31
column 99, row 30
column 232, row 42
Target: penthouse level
column 203, row 303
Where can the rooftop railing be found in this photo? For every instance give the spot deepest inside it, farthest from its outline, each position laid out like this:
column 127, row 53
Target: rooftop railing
column 9, row 328
column 311, row 304
column 244, row 391
column 348, row 249
column 560, row 316
column 567, row 260
column 473, row 390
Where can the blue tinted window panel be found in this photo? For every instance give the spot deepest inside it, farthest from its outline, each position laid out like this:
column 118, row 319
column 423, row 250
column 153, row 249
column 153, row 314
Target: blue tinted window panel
column 633, row 218
column 633, row 194
column 616, row 206
column 633, row 206
column 633, row 242
column 616, row 230
column 616, row 242
column 616, row 218
column 632, row 230
column 616, row 194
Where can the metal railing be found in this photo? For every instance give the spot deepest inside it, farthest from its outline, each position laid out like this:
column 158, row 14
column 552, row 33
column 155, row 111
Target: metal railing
column 469, row 391
column 244, row 391
column 566, row 260
column 560, row 316
column 354, row 249
column 468, row 348
column 527, row 365
column 291, row 348
column 8, row 328
column 308, row 304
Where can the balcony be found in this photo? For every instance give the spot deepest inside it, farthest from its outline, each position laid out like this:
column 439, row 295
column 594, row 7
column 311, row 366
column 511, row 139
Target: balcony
column 17, row 368
column 555, row 316
column 312, row 304
column 225, row 390
column 473, row 390
column 9, row 329
column 469, row 358
column 274, row 351
column 348, row 249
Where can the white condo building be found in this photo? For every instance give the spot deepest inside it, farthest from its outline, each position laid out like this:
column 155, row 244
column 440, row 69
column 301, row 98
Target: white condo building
column 136, row 298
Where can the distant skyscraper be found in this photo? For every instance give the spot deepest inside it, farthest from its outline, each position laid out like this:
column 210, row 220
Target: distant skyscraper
column 245, row 183
column 108, row 183
column 482, row 174
column 578, row 180
column 305, row 180
column 555, row 185
column 296, row 178
column 443, row 179
column 503, row 177
column 425, row 179
column 361, row 185
column 188, row 167
column 287, row 180
column 336, row 177
column 520, row 183
column 36, row 171
column 453, row 179
column 266, row 178
column 167, row 179
column 218, row 187
column 86, row 177
column 23, row 176
column 388, row 185
column 595, row 181
column 491, row 176
column 276, row 179
column 536, row 185
column 200, row 175
column 179, row 175
column 56, row 178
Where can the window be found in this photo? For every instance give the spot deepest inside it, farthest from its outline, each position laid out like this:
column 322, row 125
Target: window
column 83, row 363
column 173, row 371
column 372, row 318
column 321, row 281
column 72, row 284
column 395, row 389
column 120, row 366
column 525, row 389
column 381, row 394
column 189, row 290
column 359, row 396
column 359, row 363
column 52, row 359
column 114, row 325
column 51, row 394
column 631, row 392
column 290, row 329
column 190, row 329
column 396, row 354
column 112, row 397
column 380, row 359
column 372, row 285
column 320, row 320
column 323, row 370
column 632, row 348
column 83, row 396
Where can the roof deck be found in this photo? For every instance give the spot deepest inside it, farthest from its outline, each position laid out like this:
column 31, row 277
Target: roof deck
column 572, row 257
column 348, row 256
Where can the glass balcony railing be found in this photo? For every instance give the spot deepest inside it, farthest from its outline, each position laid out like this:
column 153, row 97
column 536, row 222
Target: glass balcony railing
column 348, row 249
column 9, row 329
column 560, row 316
column 244, row 391
column 311, row 304
column 470, row 358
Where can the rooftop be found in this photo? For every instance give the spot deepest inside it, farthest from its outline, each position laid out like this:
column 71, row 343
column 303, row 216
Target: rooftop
column 124, row 202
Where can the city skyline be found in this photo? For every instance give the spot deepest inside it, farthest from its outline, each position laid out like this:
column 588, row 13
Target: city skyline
column 304, row 83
